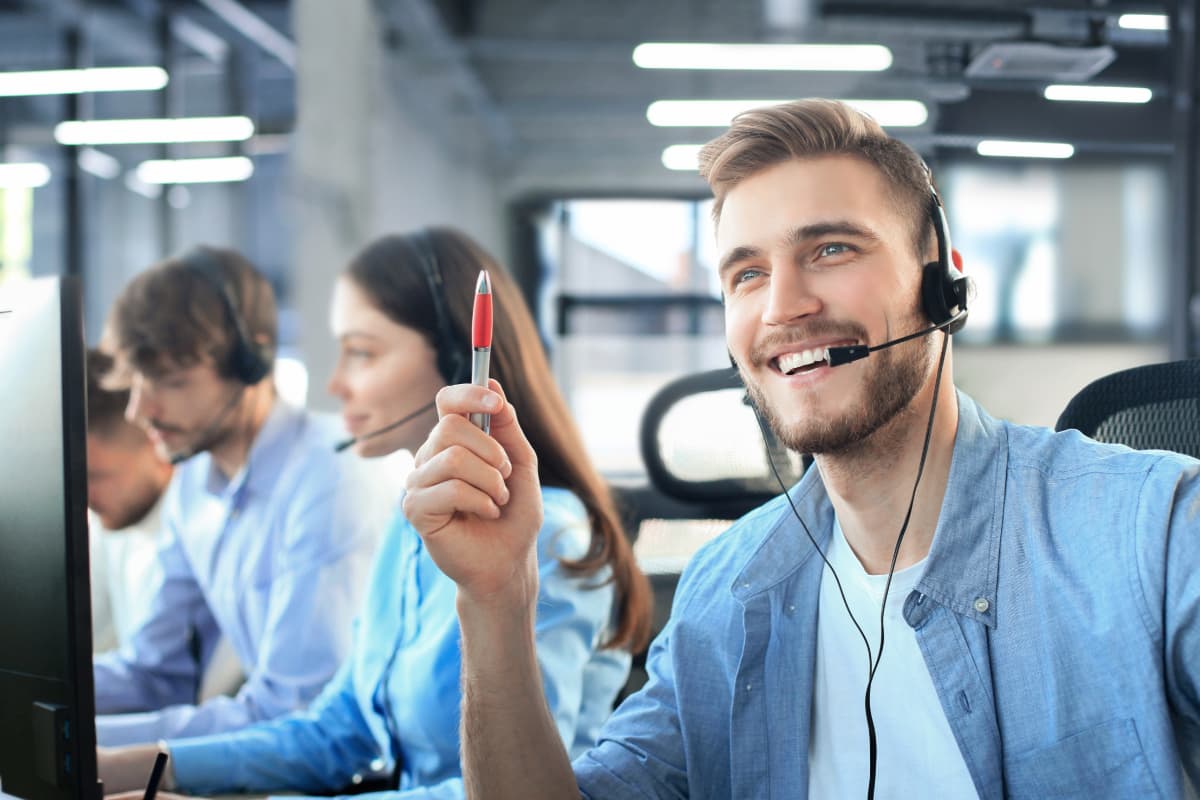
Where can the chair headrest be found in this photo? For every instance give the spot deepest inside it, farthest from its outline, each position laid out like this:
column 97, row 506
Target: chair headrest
column 701, row 444
column 1156, row 406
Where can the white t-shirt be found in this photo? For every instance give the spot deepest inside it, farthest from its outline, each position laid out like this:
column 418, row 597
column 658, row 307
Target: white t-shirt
column 917, row 753
column 124, row 571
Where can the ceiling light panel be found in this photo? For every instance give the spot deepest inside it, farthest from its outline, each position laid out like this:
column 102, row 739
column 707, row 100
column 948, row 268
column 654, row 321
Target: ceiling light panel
column 720, row 113
column 154, row 131
column 805, row 57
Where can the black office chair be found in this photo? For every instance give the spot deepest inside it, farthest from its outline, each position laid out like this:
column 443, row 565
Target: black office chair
column 1155, row 407
column 706, row 463
column 694, row 474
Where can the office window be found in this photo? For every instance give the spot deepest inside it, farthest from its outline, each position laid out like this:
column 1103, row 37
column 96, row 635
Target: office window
column 631, row 304
column 16, row 233
column 1065, row 253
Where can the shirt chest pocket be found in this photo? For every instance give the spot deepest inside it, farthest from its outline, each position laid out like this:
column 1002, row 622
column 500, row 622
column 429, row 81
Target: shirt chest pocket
column 1101, row 762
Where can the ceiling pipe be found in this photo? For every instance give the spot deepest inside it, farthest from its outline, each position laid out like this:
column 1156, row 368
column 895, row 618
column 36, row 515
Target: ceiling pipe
column 254, row 28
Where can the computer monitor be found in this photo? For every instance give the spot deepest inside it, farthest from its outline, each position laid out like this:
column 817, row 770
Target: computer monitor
column 47, row 705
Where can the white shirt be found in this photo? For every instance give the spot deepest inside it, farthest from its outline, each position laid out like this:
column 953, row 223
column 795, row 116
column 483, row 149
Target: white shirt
column 124, row 572
column 917, row 753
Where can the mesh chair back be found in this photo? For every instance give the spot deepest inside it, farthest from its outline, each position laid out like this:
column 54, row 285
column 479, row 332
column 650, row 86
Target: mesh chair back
column 1155, row 407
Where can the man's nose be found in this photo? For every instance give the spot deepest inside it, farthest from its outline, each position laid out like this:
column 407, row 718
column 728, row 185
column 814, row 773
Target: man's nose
column 790, row 296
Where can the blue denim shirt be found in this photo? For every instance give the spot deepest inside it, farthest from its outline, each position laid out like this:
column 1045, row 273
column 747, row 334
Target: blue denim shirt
column 1059, row 617
column 396, row 698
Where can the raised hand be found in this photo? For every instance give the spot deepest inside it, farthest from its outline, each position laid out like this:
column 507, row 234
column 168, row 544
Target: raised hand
column 475, row 499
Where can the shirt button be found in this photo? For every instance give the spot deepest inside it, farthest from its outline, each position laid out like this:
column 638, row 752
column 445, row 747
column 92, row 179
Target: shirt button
column 749, row 686
column 982, row 605
column 376, row 764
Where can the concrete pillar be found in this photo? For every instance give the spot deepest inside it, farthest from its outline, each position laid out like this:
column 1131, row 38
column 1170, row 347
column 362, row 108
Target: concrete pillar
column 369, row 159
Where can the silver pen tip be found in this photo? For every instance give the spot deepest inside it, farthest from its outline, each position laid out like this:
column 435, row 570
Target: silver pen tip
column 484, row 284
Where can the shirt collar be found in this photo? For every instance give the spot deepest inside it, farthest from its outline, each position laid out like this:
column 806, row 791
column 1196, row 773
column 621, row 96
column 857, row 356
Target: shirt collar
column 266, row 458
column 786, row 547
column 962, row 567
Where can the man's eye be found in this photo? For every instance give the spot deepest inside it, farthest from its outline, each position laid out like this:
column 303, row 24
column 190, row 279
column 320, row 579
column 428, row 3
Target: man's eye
column 834, row 249
column 746, row 275
column 360, row 355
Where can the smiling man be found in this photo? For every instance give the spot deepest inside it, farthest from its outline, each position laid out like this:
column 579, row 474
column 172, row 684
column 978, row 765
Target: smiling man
column 267, row 534
column 949, row 605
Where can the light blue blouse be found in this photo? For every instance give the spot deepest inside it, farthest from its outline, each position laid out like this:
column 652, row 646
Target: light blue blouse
column 397, row 696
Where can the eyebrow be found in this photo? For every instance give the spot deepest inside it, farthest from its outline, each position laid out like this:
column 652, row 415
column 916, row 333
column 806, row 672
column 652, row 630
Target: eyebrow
column 798, row 236
column 354, row 334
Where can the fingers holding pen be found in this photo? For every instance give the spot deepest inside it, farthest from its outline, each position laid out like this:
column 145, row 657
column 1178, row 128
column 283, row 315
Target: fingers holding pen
column 466, row 473
column 454, row 404
column 459, row 468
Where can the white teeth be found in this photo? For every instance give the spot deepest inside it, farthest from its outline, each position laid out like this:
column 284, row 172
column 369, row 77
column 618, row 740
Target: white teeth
column 790, row 362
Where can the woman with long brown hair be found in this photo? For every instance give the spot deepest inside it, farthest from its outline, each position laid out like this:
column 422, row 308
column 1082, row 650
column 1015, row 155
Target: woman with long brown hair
column 401, row 313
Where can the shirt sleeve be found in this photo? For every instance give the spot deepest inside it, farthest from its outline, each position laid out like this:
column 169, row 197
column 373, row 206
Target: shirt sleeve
column 1170, row 577
column 309, row 604
column 158, row 668
column 574, row 614
column 640, row 750
column 318, row 749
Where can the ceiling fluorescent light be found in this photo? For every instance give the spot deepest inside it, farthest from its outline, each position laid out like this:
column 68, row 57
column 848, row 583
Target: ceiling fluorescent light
column 196, row 170
column 154, row 131
column 816, row 57
column 1098, row 94
column 102, row 165
column 151, row 191
column 78, row 81
column 719, row 113
column 24, row 176
column 1143, row 22
column 684, row 157
column 1015, row 149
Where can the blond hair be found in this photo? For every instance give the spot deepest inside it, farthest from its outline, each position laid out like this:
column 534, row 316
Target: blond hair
column 763, row 137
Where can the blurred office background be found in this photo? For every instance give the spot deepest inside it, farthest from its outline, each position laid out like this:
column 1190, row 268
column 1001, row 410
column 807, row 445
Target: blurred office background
column 540, row 127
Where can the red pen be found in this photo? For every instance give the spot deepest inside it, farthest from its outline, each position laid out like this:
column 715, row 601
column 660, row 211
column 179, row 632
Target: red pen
column 481, row 342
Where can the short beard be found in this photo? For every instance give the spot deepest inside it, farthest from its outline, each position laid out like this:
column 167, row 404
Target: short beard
column 894, row 376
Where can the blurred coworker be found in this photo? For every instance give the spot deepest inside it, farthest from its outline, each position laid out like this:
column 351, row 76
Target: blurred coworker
column 1043, row 619
column 126, row 479
column 268, row 535
column 402, row 313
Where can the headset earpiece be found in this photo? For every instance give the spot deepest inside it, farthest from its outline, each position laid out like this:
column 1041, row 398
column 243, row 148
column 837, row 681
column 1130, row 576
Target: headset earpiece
column 451, row 351
column 248, row 362
column 944, row 289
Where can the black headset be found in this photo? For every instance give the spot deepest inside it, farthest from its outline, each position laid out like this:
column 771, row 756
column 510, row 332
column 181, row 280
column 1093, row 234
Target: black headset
column 451, row 349
column 944, row 289
column 248, row 361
